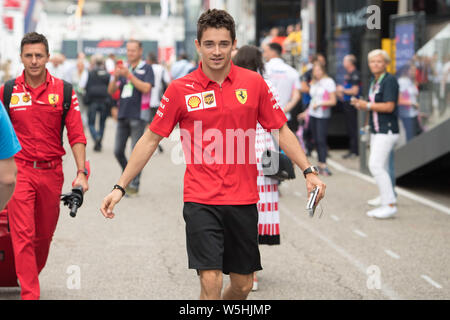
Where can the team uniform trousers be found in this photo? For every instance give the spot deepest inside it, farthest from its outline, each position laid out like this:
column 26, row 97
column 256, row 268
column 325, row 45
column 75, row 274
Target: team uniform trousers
column 33, row 213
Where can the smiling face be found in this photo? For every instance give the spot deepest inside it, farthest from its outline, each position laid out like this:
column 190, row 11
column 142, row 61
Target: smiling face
column 215, row 47
column 34, row 58
column 134, row 52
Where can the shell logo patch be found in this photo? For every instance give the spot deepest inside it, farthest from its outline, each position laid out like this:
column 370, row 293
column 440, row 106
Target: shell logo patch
column 20, row 100
column 53, row 98
column 15, row 99
column 200, row 101
column 194, row 102
column 241, row 95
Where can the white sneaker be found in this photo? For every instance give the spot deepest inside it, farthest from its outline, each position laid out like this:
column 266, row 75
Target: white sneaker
column 384, row 212
column 375, row 202
column 255, row 284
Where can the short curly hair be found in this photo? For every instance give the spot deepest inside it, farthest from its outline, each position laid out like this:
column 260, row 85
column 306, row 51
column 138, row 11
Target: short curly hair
column 214, row 18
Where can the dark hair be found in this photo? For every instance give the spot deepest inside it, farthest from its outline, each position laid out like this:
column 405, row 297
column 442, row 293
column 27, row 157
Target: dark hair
column 32, row 38
column 276, row 47
column 316, row 57
column 139, row 43
column 249, row 57
column 151, row 57
column 214, row 18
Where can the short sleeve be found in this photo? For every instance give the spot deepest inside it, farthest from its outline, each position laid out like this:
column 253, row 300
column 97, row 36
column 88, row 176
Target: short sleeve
column 270, row 114
column 330, row 85
column 9, row 144
column 149, row 75
column 168, row 114
column 355, row 79
column 390, row 90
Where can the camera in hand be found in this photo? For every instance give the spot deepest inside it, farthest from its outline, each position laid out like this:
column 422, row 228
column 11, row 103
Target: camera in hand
column 311, row 204
column 73, row 200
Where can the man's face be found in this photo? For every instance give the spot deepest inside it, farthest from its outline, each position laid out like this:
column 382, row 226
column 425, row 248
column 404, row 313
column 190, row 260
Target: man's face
column 267, row 53
column 134, row 52
column 34, row 58
column 215, row 48
column 347, row 64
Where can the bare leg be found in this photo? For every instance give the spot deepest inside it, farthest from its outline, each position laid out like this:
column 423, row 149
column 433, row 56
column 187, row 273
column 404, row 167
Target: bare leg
column 239, row 287
column 211, row 284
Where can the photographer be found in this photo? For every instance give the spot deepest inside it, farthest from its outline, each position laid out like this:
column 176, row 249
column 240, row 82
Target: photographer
column 36, row 109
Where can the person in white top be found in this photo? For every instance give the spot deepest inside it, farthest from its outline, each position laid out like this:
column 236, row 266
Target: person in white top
column 408, row 106
column 162, row 80
column 323, row 97
column 284, row 78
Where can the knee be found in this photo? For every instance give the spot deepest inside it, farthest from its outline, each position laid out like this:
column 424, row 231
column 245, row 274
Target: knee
column 211, row 279
column 242, row 287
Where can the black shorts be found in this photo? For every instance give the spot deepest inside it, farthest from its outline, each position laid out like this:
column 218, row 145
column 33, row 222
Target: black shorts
column 222, row 237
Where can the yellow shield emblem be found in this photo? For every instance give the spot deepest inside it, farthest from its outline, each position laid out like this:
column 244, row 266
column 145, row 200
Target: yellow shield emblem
column 241, row 95
column 53, row 98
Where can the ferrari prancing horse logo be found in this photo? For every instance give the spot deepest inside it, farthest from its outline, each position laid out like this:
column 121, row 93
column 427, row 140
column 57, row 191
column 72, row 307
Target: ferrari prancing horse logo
column 241, row 95
column 53, row 98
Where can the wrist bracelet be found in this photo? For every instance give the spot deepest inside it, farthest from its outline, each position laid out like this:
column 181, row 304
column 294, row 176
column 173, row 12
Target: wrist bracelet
column 116, row 186
column 368, row 105
column 83, row 171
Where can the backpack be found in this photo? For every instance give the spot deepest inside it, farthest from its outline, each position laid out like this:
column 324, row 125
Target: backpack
column 67, row 91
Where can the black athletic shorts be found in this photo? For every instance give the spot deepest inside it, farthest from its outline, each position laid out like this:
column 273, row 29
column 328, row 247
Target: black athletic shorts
column 222, row 237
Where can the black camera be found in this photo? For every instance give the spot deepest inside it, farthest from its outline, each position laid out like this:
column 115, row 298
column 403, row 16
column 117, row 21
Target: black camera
column 73, row 200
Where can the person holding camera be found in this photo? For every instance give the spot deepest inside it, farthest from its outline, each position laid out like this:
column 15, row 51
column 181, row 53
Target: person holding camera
column 37, row 104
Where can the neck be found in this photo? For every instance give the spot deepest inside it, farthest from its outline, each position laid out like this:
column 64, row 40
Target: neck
column 134, row 63
column 378, row 75
column 35, row 81
column 216, row 75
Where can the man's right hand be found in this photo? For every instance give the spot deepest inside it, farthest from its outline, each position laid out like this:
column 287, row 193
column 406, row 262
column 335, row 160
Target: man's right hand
column 109, row 203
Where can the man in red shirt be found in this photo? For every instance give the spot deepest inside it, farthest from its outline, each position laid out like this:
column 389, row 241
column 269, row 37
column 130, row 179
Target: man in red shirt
column 217, row 107
column 36, row 109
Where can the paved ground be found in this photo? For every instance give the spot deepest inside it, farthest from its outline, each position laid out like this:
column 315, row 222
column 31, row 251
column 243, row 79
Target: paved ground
column 343, row 255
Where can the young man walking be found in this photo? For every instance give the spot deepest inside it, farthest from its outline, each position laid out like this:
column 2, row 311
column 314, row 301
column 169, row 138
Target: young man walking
column 222, row 101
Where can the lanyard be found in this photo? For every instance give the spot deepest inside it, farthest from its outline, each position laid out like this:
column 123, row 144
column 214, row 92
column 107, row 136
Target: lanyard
column 373, row 85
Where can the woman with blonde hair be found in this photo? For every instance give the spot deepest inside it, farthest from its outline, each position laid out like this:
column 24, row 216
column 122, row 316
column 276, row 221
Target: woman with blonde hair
column 382, row 106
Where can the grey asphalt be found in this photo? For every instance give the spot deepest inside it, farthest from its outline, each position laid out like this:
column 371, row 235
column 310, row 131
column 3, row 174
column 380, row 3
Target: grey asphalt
column 141, row 254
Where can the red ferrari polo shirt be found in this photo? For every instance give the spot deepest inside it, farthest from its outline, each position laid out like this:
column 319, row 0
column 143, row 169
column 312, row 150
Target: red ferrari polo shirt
column 36, row 117
column 217, row 129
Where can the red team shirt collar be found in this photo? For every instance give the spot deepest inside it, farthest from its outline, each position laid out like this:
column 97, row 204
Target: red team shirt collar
column 21, row 78
column 204, row 80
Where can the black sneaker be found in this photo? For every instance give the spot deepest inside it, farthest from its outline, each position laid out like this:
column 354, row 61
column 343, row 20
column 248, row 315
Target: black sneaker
column 98, row 145
column 349, row 155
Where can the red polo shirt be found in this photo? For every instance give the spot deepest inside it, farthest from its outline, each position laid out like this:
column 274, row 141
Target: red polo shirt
column 36, row 117
column 217, row 129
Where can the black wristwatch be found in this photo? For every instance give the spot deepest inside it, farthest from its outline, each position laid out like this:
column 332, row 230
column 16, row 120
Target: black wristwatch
column 312, row 169
column 116, row 186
